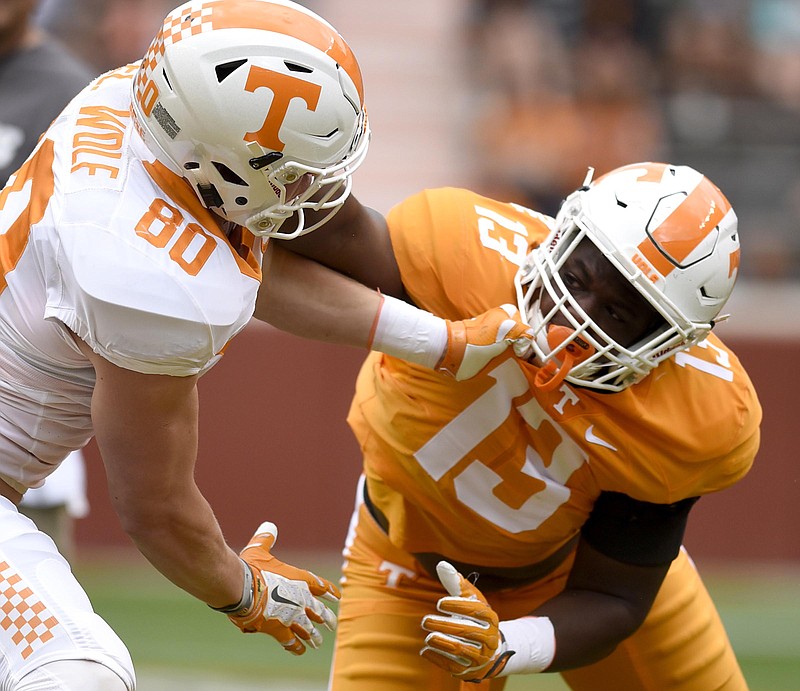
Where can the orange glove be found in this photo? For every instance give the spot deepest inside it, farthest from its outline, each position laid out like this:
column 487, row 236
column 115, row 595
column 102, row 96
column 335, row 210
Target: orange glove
column 473, row 343
column 466, row 639
column 282, row 600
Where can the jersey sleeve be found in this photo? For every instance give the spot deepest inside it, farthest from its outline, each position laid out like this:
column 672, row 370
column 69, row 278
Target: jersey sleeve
column 689, row 429
column 458, row 252
column 637, row 532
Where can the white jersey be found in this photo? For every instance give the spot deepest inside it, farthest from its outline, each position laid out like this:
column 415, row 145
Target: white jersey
column 99, row 239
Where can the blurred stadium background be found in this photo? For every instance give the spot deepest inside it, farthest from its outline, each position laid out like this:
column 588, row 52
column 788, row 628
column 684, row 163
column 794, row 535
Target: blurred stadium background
column 514, row 98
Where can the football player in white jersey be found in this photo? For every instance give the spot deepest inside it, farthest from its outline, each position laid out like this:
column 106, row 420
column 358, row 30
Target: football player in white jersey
column 131, row 244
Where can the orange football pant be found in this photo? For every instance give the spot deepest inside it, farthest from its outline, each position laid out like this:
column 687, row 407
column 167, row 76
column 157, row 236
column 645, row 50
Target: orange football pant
column 682, row 646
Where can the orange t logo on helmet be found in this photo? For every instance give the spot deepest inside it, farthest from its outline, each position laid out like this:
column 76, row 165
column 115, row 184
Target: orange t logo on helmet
column 284, row 88
column 225, row 82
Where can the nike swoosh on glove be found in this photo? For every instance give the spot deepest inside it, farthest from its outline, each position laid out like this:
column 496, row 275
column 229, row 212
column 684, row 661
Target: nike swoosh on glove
column 473, row 343
column 465, row 639
column 285, row 604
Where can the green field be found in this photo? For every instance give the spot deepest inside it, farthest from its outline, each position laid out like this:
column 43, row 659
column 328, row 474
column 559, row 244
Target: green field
column 178, row 643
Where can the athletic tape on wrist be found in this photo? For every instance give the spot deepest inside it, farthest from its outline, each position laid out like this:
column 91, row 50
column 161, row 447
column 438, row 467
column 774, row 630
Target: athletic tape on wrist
column 533, row 641
column 409, row 333
column 246, row 602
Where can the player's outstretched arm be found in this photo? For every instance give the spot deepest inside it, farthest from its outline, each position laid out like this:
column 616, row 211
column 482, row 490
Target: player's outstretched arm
column 355, row 242
column 343, row 286
column 303, row 297
column 146, row 429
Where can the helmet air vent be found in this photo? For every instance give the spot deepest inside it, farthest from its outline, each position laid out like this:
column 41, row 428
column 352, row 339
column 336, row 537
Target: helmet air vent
column 228, row 175
column 226, row 69
column 326, row 136
column 294, row 67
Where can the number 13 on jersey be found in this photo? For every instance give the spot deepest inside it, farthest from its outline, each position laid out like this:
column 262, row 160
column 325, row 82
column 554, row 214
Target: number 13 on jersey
column 540, row 473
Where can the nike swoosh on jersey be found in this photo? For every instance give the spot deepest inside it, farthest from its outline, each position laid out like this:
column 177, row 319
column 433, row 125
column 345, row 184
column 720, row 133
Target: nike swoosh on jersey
column 275, row 595
column 592, row 438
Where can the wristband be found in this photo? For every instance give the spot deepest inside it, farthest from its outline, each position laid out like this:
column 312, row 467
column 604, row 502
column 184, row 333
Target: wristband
column 409, row 333
column 244, row 605
column 533, row 641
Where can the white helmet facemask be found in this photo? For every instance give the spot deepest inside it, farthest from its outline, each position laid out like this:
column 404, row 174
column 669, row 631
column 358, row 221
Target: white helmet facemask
column 259, row 104
column 673, row 236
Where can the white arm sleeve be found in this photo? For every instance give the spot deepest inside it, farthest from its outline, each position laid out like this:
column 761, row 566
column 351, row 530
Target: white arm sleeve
column 533, row 640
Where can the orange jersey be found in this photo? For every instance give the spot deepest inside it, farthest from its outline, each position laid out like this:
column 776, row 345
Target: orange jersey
column 496, row 472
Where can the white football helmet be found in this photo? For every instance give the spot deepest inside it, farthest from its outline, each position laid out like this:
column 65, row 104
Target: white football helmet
column 259, row 104
column 671, row 233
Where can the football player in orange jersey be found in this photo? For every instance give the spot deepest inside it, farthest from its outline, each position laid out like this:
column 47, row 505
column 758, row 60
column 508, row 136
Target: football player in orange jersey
column 530, row 518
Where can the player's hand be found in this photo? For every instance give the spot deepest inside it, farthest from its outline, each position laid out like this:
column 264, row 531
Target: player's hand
column 473, row 343
column 285, row 603
column 465, row 638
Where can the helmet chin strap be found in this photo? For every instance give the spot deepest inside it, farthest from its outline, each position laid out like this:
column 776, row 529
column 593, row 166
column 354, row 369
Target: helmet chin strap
column 208, row 193
column 550, row 376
